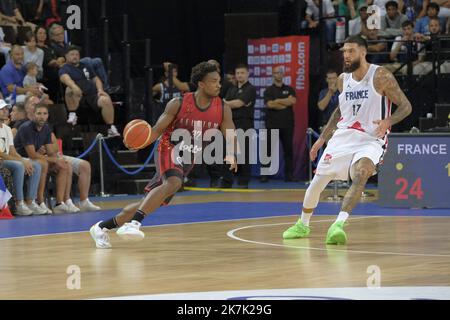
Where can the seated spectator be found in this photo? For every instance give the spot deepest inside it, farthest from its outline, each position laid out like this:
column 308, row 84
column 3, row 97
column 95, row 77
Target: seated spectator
column 312, row 17
column 86, row 89
column 382, row 5
column 5, row 47
column 433, row 44
column 59, row 46
column 399, row 51
column 422, row 24
column 444, row 8
column 31, row 81
column 347, row 8
column 12, row 75
column 391, row 23
column 10, row 15
column 162, row 88
column 82, row 169
column 51, row 63
column 30, row 137
column 359, row 24
column 19, row 168
column 375, row 47
column 33, row 54
column 328, row 97
column 415, row 9
column 18, row 117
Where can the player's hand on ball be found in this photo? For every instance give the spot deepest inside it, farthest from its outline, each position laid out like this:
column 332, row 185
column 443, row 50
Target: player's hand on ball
column 383, row 127
column 315, row 148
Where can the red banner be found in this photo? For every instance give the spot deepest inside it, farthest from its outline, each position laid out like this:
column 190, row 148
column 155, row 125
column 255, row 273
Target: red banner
column 293, row 53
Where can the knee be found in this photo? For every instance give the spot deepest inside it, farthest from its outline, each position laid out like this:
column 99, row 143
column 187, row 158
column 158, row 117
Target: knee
column 172, row 185
column 85, row 168
column 37, row 168
column 44, row 166
column 362, row 173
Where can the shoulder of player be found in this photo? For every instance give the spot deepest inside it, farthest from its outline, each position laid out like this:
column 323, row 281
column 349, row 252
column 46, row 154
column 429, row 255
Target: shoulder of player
column 382, row 79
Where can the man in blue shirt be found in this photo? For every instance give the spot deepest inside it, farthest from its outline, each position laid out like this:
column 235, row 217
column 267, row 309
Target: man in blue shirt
column 422, row 23
column 33, row 135
column 85, row 88
column 328, row 97
column 12, row 75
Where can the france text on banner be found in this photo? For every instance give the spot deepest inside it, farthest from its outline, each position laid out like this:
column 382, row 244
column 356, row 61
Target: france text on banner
column 293, row 53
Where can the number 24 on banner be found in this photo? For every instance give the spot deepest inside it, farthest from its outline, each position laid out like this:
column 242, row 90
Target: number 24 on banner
column 374, row 19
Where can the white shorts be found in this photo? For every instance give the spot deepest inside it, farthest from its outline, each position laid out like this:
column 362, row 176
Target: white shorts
column 344, row 149
column 75, row 163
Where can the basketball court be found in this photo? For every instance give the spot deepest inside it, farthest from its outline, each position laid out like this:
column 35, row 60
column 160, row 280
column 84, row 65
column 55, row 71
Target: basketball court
column 228, row 245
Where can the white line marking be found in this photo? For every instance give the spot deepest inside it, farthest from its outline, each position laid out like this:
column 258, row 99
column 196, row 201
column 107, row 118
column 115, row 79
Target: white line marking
column 233, row 236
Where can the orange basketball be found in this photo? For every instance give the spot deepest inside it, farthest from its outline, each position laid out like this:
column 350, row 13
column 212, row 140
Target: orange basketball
column 136, row 134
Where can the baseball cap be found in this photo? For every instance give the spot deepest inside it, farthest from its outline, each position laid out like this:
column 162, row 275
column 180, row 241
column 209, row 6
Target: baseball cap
column 3, row 104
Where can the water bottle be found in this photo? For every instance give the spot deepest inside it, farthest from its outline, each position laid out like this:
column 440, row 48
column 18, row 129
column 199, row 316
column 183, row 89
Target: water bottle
column 411, row 14
column 340, row 30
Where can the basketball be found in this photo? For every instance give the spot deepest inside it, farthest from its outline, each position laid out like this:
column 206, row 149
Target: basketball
column 136, row 134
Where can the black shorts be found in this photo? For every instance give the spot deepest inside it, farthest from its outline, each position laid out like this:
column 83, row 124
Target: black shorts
column 90, row 101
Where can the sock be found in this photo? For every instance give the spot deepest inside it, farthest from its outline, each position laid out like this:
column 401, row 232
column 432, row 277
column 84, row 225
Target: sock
column 342, row 217
column 305, row 218
column 110, row 224
column 139, row 216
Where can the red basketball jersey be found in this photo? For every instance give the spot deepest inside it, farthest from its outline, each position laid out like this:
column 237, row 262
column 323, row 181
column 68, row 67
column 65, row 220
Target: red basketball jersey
column 194, row 119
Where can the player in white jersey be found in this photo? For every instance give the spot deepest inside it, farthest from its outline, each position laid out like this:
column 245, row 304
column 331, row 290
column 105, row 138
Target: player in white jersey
column 356, row 136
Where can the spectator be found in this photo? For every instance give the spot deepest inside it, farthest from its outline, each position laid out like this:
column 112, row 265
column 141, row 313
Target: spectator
column 422, row 23
column 280, row 101
column 82, row 169
column 391, row 23
column 18, row 117
column 444, row 8
column 33, row 54
column 359, row 24
column 31, row 81
column 382, row 5
column 347, row 8
column 375, row 48
column 57, row 42
column 399, row 51
column 312, row 17
column 19, row 167
column 12, row 75
column 10, row 15
column 415, row 9
column 433, row 44
column 51, row 63
column 162, row 90
column 33, row 135
column 241, row 99
column 5, row 47
column 328, row 97
column 86, row 89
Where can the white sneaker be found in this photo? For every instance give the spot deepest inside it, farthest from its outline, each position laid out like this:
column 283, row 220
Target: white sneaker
column 87, row 205
column 100, row 236
column 113, row 132
column 71, row 206
column 23, row 210
column 130, row 231
column 61, row 209
column 36, row 209
column 72, row 118
column 43, row 206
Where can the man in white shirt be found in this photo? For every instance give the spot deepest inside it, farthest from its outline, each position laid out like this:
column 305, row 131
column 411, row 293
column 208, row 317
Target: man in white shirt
column 312, row 17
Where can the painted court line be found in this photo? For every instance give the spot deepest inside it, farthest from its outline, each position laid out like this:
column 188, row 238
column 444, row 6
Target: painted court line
column 232, row 235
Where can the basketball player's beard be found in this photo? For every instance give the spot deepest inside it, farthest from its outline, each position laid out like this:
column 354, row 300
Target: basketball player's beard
column 352, row 67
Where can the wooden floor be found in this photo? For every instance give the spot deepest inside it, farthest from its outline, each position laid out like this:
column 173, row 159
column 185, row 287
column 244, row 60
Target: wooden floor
column 247, row 254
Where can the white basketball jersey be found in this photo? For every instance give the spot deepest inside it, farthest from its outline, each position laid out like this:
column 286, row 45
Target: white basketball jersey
column 361, row 104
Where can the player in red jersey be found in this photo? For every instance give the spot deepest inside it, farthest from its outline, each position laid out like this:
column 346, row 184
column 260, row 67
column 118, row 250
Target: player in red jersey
column 199, row 110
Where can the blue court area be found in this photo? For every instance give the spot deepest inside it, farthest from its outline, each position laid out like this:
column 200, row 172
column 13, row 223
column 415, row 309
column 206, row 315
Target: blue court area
column 192, row 213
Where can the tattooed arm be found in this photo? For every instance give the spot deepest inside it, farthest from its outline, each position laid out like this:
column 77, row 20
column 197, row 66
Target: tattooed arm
column 331, row 126
column 386, row 85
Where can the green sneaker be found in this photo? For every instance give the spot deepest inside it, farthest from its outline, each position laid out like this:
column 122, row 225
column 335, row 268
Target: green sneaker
column 298, row 230
column 336, row 234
